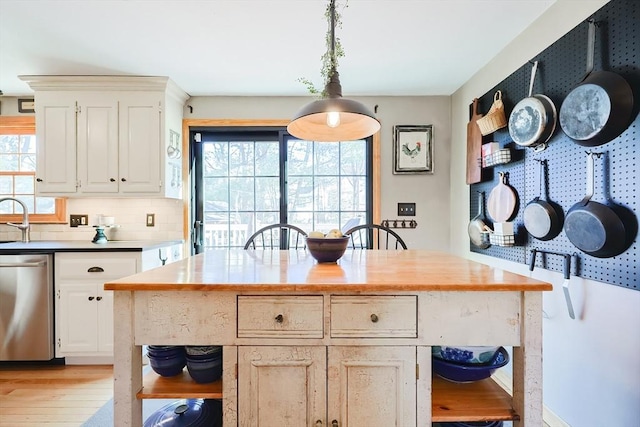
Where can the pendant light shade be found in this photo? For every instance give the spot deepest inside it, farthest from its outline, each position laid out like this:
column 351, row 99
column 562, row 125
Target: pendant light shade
column 333, row 118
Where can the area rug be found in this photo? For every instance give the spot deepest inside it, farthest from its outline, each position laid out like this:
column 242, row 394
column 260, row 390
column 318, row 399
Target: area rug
column 104, row 416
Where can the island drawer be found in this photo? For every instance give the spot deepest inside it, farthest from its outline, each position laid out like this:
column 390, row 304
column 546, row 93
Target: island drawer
column 374, row 316
column 280, row 316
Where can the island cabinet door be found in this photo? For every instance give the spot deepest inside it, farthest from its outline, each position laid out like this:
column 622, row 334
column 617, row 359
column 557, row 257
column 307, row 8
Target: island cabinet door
column 371, row 386
column 282, row 386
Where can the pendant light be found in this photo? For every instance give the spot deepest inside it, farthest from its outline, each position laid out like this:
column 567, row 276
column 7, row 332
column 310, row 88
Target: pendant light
column 333, row 118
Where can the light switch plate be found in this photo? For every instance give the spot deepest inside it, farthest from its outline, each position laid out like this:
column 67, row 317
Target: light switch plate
column 151, row 220
column 406, row 209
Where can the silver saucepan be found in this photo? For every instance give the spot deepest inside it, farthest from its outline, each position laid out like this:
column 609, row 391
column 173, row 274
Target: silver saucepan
column 533, row 120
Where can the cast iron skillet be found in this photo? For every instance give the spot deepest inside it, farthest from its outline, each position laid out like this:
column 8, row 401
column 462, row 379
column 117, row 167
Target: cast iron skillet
column 597, row 229
column 542, row 219
column 599, row 109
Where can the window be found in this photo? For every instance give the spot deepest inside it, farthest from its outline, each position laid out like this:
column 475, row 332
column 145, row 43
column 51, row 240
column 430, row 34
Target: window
column 17, row 174
column 247, row 179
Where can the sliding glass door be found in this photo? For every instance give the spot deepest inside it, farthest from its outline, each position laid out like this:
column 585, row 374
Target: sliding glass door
column 245, row 179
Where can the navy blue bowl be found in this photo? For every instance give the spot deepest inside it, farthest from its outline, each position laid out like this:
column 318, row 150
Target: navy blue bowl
column 464, row 373
column 173, row 352
column 167, row 366
column 327, row 249
column 205, row 371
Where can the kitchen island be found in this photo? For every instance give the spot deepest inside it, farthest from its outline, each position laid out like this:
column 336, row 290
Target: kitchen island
column 346, row 344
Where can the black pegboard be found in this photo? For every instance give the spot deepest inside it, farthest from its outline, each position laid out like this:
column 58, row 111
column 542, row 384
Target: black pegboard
column 561, row 67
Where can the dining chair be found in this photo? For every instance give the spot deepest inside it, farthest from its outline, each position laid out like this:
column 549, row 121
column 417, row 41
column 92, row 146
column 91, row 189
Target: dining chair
column 374, row 236
column 277, row 236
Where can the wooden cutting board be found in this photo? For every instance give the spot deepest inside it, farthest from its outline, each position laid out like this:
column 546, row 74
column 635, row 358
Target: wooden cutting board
column 474, row 146
column 502, row 201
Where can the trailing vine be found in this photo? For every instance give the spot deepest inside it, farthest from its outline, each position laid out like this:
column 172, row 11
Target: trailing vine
column 329, row 61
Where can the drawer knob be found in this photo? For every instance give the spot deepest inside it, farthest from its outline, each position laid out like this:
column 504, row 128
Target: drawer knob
column 279, row 318
column 90, row 298
column 334, row 423
column 374, row 318
column 98, row 298
column 319, row 423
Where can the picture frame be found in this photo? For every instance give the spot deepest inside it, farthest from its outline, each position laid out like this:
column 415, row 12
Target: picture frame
column 26, row 106
column 413, row 149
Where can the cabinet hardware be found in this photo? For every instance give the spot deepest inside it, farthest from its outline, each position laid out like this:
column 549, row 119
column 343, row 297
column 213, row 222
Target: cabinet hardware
column 112, row 180
column 334, row 423
column 95, row 270
column 319, row 423
column 98, row 298
column 417, row 371
column 38, row 179
column 90, row 298
column 279, row 318
column 374, row 318
column 123, row 179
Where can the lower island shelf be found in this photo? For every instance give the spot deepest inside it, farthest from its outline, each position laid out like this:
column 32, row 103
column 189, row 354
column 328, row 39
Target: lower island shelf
column 481, row 400
column 181, row 386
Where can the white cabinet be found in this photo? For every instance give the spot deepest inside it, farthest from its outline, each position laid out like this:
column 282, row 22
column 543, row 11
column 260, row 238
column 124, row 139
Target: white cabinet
column 107, row 136
column 84, row 310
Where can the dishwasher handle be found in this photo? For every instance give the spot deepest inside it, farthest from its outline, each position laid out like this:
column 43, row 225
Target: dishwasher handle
column 22, row 264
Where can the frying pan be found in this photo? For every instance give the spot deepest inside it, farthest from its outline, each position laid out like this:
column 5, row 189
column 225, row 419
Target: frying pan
column 533, row 120
column 502, row 200
column 542, row 219
column 476, row 228
column 594, row 228
column 600, row 107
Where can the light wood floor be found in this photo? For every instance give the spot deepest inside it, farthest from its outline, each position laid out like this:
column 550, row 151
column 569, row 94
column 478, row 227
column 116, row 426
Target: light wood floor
column 52, row 396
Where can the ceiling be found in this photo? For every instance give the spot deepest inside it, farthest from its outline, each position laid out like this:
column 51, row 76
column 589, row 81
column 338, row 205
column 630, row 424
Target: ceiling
column 260, row 47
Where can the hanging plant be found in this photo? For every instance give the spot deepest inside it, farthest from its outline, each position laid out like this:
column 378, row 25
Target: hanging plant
column 331, row 56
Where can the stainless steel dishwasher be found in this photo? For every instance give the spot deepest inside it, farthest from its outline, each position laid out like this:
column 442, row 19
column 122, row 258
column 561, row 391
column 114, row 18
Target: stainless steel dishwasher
column 26, row 307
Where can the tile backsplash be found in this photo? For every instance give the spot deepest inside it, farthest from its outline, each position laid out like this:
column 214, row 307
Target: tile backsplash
column 130, row 217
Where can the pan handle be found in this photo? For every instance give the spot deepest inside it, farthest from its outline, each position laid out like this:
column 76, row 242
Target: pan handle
column 565, row 285
column 532, row 262
column 533, row 77
column 591, row 46
column 590, row 177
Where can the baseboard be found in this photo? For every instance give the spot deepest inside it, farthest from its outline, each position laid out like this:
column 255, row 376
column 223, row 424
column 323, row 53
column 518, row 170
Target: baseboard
column 550, row 419
column 88, row 360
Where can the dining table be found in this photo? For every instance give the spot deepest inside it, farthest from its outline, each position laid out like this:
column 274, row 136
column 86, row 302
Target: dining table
column 339, row 344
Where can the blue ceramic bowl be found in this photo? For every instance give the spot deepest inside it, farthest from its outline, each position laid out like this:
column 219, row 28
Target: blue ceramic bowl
column 475, row 354
column 173, row 351
column 463, row 373
column 167, row 366
column 205, row 371
column 327, row 249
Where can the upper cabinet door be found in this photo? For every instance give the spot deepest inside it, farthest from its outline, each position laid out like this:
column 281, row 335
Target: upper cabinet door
column 56, row 143
column 140, row 142
column 98, row 143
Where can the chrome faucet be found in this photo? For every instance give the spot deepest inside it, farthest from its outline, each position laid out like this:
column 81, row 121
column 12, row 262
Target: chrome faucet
column 24, row 227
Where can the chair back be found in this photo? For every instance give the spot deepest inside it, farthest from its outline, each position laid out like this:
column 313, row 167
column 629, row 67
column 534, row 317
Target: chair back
column 374, row 236
column 277, row 236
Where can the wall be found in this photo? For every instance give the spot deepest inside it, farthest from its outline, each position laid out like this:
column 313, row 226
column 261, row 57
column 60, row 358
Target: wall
column 429, row 192
column 591, row 363
column 130, row 215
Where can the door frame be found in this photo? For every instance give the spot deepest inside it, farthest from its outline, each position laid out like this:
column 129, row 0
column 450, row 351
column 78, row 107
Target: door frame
column 187, row 178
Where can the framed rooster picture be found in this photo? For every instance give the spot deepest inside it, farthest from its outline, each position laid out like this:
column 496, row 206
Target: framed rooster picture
column 412, row 149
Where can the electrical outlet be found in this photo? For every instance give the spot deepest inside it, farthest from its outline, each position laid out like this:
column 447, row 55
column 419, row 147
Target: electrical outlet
column 78, row 220
column 151, row 220
column 406, row 209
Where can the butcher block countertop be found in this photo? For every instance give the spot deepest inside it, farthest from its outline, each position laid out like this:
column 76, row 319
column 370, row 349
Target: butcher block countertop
column 297, row 271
